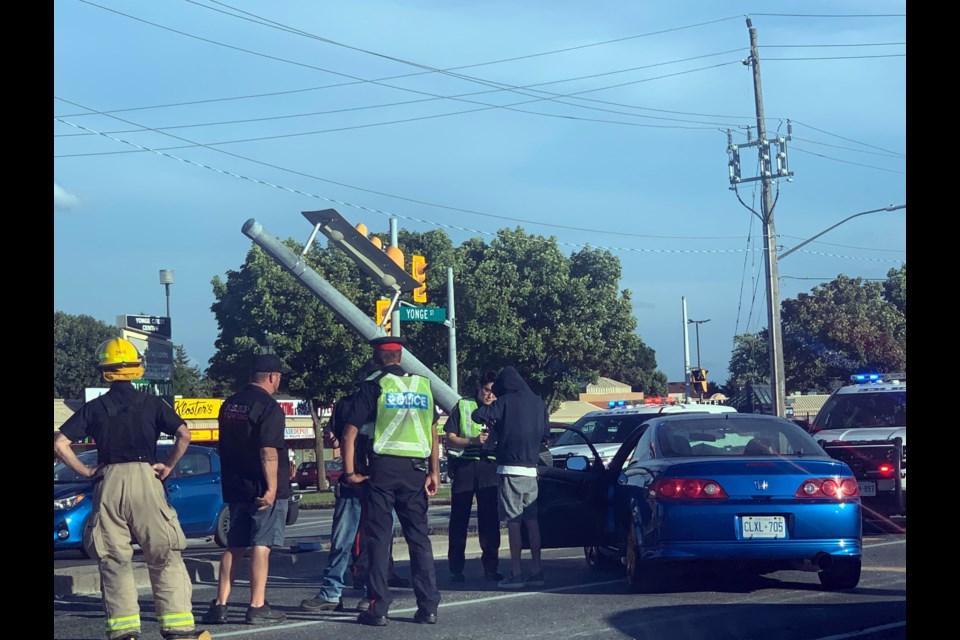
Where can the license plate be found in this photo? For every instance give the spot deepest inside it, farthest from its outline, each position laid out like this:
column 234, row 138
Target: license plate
column 763, row 527
column 868, row 489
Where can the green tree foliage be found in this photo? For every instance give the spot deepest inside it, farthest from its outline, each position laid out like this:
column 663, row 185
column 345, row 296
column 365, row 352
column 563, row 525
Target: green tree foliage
column 559, row 320
column 840, row 327
column 188, row 381
column 75, row 342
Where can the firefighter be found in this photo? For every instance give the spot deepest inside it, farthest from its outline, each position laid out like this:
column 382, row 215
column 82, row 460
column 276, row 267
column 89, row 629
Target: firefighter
column 129, row 498
column 396, row 411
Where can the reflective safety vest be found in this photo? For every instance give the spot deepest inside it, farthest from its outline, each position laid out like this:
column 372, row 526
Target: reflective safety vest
column 468, row 429
column 404, row 417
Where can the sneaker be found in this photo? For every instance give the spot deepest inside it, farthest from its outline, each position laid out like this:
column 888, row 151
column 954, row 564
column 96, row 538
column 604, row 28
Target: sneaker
column 371, row 620
column 133, row 635
column 424, row 617
column 493, row 576
column 264, row 615
column 316, row 604
column 536, row 580
column 216, row 614
column 363, row 605
column 457, row 577
column 183, row 635
column 512, row 582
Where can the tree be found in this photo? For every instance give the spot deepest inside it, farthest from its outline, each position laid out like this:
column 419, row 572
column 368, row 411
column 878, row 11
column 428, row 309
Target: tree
column 187, row 380
column 840, row 327
column 75, row 342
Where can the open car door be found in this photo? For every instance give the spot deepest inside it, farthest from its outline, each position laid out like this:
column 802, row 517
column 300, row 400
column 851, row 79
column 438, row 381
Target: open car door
column 571, row 502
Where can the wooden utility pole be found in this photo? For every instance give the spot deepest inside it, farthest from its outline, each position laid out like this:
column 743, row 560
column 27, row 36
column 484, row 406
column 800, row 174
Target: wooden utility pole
column 771, row 272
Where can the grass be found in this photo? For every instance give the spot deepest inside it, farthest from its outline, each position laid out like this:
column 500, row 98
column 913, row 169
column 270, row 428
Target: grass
column 313, row 499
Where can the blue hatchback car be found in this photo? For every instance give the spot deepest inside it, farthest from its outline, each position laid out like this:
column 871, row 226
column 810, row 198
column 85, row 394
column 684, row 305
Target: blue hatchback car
column 731, row 491
column 193, row 489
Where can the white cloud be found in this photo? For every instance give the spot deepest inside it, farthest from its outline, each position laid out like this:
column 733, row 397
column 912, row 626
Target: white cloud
column 64, row 200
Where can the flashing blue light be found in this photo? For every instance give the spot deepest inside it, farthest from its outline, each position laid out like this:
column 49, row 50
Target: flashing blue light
column 616, row 403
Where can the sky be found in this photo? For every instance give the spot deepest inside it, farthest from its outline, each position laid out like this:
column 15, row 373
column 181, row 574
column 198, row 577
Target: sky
column 603, row 124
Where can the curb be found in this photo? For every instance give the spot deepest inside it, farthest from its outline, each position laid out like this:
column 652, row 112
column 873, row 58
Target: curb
column 286, row 561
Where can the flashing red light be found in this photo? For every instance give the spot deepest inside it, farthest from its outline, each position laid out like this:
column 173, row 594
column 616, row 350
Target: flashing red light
column 828, row 488
column 687, row 488
column 886, row 469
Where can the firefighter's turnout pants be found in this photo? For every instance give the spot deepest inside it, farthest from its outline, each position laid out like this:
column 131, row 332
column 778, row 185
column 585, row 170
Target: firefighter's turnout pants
column 130, row 501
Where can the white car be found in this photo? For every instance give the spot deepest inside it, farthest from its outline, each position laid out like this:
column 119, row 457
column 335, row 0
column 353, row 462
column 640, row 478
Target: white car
column 606, row 429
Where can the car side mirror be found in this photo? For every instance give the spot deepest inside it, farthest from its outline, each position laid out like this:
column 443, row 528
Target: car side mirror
column 578, row 463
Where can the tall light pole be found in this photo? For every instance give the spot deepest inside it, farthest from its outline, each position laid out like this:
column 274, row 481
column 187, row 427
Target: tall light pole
column 166, row 279
column 698, row 323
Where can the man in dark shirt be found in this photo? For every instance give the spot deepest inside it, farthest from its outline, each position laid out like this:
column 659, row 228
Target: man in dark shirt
column 520, row 420
column 256, row 486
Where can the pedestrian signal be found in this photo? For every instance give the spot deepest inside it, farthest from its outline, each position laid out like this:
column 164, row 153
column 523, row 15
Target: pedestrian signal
column 418, row 269
column 382, row 307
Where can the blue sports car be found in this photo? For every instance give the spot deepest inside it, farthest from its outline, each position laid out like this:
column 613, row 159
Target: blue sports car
column 193, row 489
column 740, row 491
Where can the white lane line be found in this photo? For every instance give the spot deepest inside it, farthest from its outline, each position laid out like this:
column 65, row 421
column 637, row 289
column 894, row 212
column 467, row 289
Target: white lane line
column 862, row 632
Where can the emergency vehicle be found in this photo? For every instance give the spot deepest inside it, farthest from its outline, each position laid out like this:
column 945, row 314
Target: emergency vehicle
column 864, row 424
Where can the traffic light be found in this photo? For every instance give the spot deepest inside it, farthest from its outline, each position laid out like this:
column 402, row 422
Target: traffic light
column 382, row 306
column 698, row 379
column 418, row 269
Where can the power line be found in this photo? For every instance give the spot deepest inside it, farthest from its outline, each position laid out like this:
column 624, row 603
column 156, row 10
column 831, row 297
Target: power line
column 859, row 164
column 803, row 124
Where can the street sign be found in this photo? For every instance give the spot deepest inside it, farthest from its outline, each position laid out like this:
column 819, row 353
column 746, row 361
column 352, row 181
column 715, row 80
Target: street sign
column 157, row 325
column 423, row 314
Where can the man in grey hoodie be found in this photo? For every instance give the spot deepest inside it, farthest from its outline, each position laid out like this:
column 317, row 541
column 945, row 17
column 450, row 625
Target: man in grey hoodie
column 520, row 421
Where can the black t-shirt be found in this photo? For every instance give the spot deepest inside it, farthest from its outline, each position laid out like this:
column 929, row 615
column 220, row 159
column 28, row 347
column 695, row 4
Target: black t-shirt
column 91, row 419
column 251, row 419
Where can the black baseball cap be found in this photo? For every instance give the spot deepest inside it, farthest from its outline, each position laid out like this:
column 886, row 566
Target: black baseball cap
column 267, row 363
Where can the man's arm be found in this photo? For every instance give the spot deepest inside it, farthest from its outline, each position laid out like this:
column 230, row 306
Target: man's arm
column 350, row 476
column 452, row 436
column 269, row 461
column 181, row 439
column 64, row 451
column 433, row 478
column 489, row 414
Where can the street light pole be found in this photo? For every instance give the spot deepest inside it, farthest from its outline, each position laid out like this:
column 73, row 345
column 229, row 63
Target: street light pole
column 166, row 279
column 698, row 323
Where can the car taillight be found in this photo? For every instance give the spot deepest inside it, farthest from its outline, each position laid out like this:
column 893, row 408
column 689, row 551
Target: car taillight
column 830, row 488
column 687, row 488
column 886, row 469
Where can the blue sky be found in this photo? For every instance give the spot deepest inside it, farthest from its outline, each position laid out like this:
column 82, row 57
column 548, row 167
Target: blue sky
column 602, row 124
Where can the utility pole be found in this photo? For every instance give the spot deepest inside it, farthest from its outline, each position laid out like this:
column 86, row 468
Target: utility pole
column 686, row 352
column 768, row 150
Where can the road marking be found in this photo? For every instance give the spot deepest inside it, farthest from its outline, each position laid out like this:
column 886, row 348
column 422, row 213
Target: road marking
column 863, row 632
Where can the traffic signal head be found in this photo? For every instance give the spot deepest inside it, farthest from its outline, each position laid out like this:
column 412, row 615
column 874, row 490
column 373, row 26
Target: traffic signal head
column 698, row 379
column 418, row 269
column 382, row 307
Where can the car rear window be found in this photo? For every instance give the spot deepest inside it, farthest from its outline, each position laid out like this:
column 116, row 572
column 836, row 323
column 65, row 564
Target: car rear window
column 735, row 438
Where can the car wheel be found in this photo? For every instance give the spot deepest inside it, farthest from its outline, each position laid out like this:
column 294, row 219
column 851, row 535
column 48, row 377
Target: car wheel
column 642, row 577
column 223, row 526
column 86, row 538
column 597, row 559
column 844, row 573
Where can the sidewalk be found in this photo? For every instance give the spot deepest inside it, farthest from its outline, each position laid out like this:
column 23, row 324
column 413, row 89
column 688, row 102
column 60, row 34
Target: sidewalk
column 85, row 580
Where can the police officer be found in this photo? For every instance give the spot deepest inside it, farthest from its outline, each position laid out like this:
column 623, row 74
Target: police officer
column 129, row 496
column 473, row 467
column 396, row 411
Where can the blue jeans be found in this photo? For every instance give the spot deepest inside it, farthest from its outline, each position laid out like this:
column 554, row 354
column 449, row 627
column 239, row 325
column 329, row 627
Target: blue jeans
column 346, row 520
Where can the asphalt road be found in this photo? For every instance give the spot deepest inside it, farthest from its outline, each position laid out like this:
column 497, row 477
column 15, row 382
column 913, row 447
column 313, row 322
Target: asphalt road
column 577, row 602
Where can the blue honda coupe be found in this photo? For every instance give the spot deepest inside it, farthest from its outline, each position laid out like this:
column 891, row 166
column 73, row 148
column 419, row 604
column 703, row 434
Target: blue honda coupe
column 193, row 489
column 733, row 491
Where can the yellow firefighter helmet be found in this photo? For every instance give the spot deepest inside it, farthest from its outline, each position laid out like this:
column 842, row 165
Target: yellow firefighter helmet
column 118, row 359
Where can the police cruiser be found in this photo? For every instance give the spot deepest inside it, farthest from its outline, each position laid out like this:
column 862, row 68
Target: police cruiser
column 865, row 424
